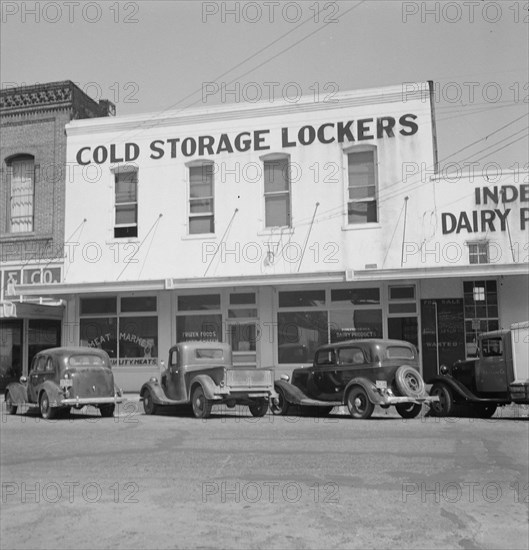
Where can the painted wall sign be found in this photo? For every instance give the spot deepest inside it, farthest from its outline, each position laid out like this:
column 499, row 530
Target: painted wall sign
column 496, row 218
column 27, row 276
column 255, row 140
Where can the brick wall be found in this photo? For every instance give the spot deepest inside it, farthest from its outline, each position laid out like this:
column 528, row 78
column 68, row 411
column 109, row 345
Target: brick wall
column 32, row 121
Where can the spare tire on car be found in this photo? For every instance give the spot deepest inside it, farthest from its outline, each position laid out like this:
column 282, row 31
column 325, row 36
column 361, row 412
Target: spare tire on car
column 409, row 381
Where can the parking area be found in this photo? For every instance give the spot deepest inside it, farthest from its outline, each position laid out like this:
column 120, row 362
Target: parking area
column 235, row 481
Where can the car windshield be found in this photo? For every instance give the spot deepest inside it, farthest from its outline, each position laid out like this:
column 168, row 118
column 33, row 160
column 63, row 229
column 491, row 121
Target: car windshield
column 86, row 361
column 492, row 347
column 205, row 353
column 399, row 352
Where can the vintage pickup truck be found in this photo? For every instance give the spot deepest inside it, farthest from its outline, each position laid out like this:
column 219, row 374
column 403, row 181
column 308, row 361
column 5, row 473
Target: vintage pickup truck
column 201, row 374
column 497, row 377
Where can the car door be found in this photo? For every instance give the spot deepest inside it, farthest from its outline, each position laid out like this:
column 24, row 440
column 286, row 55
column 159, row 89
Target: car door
column 491, row 368
column 36, row 377
column 173, row 382
column 324, row 382
column 352, row 362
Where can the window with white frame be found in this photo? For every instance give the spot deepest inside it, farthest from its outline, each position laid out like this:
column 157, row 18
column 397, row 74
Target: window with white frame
column 201, row 199
column 21, row 171
column 478, row 252
column 362, row 185
column 126, row 202
column 276, row 174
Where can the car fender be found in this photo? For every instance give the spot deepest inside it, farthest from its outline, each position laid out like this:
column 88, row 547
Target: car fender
column 458, row 388
column 292, row 393
column 55, row 394
column 18, row 393
column 209, row 387
column 158, row 395
column 368, row 386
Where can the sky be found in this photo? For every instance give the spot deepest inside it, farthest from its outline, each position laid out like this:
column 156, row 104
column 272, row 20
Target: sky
column 149, row 56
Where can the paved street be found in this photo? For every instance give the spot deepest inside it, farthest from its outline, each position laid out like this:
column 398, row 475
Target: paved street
column 277, row 482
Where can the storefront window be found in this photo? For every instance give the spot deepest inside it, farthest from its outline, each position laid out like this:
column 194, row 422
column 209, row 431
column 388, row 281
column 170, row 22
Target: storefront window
column 302, row 298
column 355, row 296
column 299, row 334
column 100, row 333
column 129, row 339
column 198, row 302
column 356, row 324
column 204, row 328
column 481, row 311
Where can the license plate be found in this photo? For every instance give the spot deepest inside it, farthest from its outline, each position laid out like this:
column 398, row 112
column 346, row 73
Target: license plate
column 381, row 384
column 66, row 383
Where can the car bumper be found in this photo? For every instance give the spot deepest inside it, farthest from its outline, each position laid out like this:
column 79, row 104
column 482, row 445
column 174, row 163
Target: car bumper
column 78, row 401
column 395, row 400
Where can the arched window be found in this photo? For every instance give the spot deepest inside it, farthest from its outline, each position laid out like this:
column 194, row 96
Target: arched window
column 21, row 176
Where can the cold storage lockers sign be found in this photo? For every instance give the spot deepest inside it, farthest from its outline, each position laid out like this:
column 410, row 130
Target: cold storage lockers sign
column 252, row 140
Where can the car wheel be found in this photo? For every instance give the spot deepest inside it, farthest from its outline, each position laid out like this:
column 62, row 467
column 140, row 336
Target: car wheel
column 408, row 410
column 283, row 406
column 10, row 407
column 259, row 408
column 445, row 405
column 46, row 410
column 201, row 405
column 486, row 411
column 358, row 403
column 107, row 410
column 409, row 381
column 149, row 406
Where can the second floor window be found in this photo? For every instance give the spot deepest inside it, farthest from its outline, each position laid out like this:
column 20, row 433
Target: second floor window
column 362, row 187
column 201, row 199
column 277, row 191
column 478, row 252
column 21, row 172
column 126, row 195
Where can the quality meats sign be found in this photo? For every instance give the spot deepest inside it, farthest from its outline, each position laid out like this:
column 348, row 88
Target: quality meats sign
column 252, row 140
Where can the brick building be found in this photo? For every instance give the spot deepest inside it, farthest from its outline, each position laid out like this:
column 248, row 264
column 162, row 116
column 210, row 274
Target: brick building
column 33, row 174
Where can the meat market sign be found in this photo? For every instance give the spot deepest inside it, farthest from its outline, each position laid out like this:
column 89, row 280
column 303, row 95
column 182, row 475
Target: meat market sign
column 501, row 202
column 254, row 140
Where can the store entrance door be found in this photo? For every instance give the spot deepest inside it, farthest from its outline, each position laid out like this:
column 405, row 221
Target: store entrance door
column 10, row 351
column 42, row 334
column 242, row 336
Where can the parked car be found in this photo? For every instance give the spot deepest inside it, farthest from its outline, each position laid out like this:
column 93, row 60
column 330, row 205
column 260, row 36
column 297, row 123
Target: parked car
column 61, row 378
column 359, row 374
column 202, row 374
column 497, row 377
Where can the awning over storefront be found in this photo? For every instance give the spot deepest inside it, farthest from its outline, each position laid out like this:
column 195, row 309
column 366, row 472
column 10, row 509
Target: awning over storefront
column 364, row 275
column 32, row 310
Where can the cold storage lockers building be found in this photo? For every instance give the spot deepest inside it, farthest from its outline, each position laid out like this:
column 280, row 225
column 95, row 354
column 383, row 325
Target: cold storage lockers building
column 279, row 227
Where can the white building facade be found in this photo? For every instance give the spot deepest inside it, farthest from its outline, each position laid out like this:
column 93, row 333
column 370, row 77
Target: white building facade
column 280, row 227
